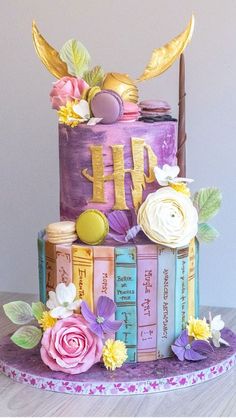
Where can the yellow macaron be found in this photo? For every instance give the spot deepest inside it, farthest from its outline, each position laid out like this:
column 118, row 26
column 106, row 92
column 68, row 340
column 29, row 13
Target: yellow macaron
column 92, row 227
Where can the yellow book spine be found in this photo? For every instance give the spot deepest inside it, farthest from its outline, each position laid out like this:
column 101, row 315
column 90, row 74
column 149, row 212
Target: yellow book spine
column 82, row 273
column 191, row 279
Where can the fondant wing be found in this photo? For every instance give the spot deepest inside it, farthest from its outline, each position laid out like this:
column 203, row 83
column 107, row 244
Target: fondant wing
column 162, row 58
column 48, row 55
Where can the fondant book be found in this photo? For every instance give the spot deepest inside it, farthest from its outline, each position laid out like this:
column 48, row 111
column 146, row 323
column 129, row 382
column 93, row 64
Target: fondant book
column 181, row 289
column 42, row 266
column 82, row 275
column 126, row 297
column 64, row 263
column 147, row 301
column 166, row 282
column 104, row 272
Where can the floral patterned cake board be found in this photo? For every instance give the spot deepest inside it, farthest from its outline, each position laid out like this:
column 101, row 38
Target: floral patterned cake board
column 25, row 366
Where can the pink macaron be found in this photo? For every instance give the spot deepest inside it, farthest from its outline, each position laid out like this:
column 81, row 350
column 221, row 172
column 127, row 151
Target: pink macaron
column 131, row 112
column 154, row 108
column 108, row 105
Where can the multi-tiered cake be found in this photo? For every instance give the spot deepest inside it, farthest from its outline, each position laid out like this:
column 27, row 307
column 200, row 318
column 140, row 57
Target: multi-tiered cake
column 108, row 172
column 118, row 273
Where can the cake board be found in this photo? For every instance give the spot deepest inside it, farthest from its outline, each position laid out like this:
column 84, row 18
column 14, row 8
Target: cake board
column 25, row 366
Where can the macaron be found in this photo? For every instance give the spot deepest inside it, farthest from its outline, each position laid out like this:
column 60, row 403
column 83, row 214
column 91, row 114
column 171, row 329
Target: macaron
column 92, row 227
column 154, row 108
column 108, row 105
column 61, row 232
column 131, row 112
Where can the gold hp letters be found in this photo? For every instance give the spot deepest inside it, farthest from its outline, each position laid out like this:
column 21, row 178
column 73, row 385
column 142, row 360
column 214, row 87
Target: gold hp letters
column 138, row 176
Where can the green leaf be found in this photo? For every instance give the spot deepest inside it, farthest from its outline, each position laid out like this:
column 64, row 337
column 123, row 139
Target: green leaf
column 207, row 202
column 18, row 312
column 27, row 337
column 94, row 77
column 207, row 233
column 76, row 56
column 38, row 308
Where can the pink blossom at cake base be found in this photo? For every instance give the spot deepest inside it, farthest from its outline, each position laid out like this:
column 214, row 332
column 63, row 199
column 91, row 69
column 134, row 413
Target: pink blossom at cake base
column 70, row 346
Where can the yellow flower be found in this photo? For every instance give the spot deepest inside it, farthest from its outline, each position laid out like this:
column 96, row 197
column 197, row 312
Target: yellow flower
column 46, row 321
column 68, row 116
column 114, row 354
column 180, row 187
column 199, row 329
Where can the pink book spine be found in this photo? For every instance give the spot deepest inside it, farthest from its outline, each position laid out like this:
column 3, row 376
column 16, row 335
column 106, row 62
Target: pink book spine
column 64, row 263
column 103, row 273
column 147, row 306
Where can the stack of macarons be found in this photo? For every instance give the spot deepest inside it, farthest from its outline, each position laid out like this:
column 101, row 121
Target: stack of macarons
column 61, row 232
column 107, row 105
column 155, row 110
column 131, row 112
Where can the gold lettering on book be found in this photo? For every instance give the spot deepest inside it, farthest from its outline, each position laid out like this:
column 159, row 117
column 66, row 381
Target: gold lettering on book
column 138, row 175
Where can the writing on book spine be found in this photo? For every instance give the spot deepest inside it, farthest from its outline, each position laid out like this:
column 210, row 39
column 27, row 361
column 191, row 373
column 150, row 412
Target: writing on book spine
column 42, row 267
column 64, row 263
column 181, row 290
column 82, row 273
column 51, row 274
column 191, row 279
column 165, row 300
column 125, row 298
column 147, row 306
column 103, row 272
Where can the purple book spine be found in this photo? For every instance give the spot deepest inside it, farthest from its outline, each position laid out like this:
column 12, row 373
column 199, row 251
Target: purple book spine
column 147, row 306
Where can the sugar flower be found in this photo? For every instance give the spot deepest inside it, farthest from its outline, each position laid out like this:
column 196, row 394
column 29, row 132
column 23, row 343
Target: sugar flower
column 62, row 302
column 114, row 354
column 168, row 218
column 168, row 174
column 46, row 321
column 192, row 351
column 216, row 326
column 122, row 228
column 199, row 329
column 180, row 187
column 82, row 109
column 68, row 116
column 99, row 323
column 70, row 346
column 67, row 89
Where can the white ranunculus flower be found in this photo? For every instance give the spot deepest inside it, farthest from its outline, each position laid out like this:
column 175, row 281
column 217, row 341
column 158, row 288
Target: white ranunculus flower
column 168, row 174
column 168, row 218
column 62, row 302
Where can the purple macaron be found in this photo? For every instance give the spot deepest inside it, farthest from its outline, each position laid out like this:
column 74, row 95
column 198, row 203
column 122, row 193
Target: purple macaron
column 108, row 105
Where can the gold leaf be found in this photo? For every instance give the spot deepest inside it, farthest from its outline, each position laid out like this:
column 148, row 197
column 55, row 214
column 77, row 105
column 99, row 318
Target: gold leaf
column 162, row 58
column 48, row 55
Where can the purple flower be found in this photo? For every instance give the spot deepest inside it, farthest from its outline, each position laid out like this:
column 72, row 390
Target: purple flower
column 99, row 322
column 123, row 229
column 192, row 351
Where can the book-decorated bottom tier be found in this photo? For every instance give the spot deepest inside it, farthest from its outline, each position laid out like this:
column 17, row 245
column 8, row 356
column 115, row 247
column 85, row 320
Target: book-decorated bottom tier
column 155, row 288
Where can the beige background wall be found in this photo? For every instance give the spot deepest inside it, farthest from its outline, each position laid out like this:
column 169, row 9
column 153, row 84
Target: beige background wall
column 120, row 35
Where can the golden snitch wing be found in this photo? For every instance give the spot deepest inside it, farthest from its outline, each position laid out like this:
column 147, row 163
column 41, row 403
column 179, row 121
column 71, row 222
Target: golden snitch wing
column 48, row 55
column 162, row 58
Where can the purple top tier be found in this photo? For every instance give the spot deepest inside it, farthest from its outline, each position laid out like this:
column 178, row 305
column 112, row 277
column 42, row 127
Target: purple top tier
column 109, row 167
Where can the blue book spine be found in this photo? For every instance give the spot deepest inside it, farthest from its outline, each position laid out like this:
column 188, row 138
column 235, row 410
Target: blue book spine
column 197, row 298
column 165, row 301
column 42, row 266
column 125, row 298
column 181, row 290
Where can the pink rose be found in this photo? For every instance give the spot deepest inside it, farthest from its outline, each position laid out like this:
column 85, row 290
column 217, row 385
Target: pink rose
column 70, row 346
column 67, row 89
